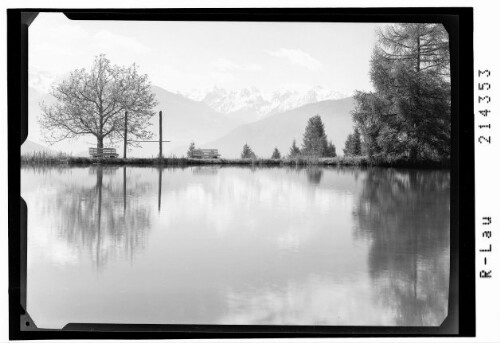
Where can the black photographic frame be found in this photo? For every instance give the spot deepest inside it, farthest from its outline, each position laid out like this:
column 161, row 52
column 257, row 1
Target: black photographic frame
column 461, row 311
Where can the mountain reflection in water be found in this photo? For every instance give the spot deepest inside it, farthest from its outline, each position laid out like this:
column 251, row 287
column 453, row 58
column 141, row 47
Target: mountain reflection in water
column 236, row 245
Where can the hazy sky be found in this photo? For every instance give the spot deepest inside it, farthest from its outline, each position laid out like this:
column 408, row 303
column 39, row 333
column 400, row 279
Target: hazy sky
column 198, row 55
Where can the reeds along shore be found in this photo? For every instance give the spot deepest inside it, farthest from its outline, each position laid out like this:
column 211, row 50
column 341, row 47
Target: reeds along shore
column 55, row 159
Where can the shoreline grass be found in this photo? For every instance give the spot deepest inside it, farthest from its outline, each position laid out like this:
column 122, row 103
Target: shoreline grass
column 360, row 161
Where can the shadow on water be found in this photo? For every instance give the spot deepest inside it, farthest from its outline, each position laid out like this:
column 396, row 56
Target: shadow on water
column 104, row 218
column 406, row 215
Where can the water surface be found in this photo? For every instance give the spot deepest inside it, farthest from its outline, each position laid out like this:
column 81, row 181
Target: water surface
column 227, row 245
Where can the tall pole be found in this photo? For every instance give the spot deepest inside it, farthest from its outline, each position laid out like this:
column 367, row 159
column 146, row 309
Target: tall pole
column 125, row 136
column 161, row 137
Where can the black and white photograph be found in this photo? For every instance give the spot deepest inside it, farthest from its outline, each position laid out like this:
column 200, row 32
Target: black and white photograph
column 237, row 173
column 264, row 171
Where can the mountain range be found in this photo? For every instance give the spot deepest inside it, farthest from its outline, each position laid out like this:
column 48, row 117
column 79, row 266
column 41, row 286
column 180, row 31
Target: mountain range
column 30, row 147
column 280, row 129
column 218, row 122
column 250, row 104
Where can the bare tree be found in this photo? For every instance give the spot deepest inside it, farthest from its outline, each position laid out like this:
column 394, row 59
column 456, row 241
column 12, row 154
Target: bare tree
column 94, row 103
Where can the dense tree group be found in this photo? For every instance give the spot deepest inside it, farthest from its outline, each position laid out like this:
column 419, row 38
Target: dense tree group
column 353, row 144
column 408, row 114
column 331, row 151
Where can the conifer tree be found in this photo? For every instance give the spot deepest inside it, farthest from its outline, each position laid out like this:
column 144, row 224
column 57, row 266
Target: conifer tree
column 191, row 149
column 353, row 144
column 247, row 152
column 315, row 141
column 409, row 113
column 294, row 150
column 276, row 154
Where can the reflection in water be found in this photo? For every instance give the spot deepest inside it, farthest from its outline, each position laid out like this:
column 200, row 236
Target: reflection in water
column 124, row 190
column 160, row 173
column 206, row 170
column 314, row 175
column 91, row 217
column 405, row 215
column 237, row 246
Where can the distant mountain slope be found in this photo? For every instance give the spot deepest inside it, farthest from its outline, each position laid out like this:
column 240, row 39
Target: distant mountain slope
column 184, row 120
column 30, row 147
column 280, row 129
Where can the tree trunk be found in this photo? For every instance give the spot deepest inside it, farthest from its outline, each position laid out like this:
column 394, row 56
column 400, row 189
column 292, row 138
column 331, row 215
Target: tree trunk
column 100, row 144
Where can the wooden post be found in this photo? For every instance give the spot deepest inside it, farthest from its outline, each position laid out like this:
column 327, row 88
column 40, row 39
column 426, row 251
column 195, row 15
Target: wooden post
column 125, row 136
column 161, row 137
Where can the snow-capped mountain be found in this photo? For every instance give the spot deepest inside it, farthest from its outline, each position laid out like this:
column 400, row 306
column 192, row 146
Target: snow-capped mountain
column 251, row 104
column 285, row 100
column 226, row 101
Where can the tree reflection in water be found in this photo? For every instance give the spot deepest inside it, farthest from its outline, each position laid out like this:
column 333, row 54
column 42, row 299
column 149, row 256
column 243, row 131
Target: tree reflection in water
column 406, row 216
column 314, row 175
column 105, row 218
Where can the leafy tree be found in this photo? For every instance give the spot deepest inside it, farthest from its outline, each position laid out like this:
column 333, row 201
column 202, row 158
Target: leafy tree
column 276, row 154
column 191, row 149
column 315, row 141
column 331, row 151
column 94, row 102
column 247, row 152
column 348, row 145
column 353, row 144
column 294, row 150
column 409, row 114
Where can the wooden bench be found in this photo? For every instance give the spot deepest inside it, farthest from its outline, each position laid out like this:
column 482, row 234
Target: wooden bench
column 205, row 153
column 103, row 153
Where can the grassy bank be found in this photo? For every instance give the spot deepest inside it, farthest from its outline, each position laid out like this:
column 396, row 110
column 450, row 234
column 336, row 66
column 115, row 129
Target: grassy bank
column 47, row 159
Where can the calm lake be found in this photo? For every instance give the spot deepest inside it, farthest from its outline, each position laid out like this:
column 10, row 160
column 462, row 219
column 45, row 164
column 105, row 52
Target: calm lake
column 230, row 245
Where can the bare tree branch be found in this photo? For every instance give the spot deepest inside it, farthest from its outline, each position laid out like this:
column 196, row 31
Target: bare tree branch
column 93, row 102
